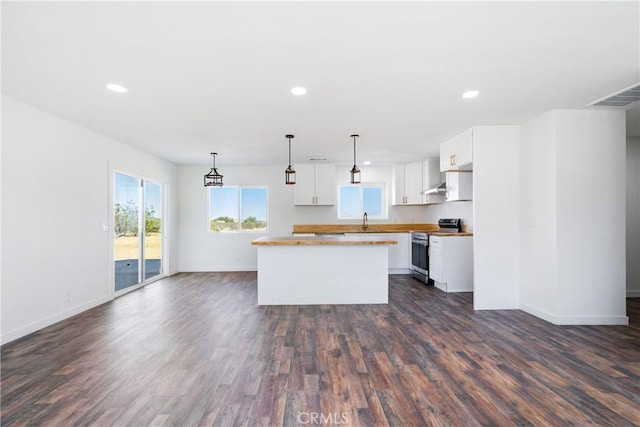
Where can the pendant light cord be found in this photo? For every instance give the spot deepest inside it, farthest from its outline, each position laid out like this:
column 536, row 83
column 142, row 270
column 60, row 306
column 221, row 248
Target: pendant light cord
column 354, row 148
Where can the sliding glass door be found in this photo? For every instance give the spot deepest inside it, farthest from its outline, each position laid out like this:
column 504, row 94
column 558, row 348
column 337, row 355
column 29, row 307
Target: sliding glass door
column 137, row 231
column 152, row 236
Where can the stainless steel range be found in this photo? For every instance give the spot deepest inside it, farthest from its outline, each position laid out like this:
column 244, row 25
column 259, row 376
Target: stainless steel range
column 420, row 247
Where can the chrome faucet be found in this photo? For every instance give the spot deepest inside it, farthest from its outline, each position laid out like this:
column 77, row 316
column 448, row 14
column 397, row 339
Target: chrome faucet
column 365, row 221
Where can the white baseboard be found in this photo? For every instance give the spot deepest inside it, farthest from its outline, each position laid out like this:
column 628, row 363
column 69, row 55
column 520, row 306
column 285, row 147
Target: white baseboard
column 575, row 320
column 48, row 321
column 221, row 269
column 633, row 293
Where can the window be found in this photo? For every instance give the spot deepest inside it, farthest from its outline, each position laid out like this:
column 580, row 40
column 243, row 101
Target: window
column 355, row 200
column 234, row 209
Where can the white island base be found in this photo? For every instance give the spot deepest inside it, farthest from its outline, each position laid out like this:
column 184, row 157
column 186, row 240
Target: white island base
column 323, row 273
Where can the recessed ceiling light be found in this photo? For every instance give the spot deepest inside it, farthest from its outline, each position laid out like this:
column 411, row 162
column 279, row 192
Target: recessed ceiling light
column 470, row 94
column 116, row 88
column 298, row 90
column 367, row 163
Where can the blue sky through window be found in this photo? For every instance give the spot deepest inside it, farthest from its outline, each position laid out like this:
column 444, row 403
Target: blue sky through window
column 372, row 200
column 153, row 197
column 223, row 201
column 355, row 200
column 127, row 189
column 254, row 203
column 350, row 202
column 237, row 203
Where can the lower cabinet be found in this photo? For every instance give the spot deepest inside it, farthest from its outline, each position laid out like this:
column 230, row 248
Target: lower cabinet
column 400, row 254
column 451, row 263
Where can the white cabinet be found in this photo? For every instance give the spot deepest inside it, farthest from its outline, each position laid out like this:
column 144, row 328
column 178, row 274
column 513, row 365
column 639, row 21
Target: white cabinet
column 407, row 184
column 459, row 186
column 435, row 262
column 413, row 183
column 457, row 153
column 411, row 179
column 399, row 195
column 400, row 254
column 451, row 263
column 315, row 184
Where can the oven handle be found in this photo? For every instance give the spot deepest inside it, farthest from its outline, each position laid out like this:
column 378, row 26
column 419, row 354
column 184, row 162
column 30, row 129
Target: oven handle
column 420, row 242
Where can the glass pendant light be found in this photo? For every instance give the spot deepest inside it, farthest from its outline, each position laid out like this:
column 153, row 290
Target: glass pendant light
column 289, row 173
column 213, row 178
column 355, row 172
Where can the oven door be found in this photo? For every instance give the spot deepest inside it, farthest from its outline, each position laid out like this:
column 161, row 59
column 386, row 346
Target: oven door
column 420, row 256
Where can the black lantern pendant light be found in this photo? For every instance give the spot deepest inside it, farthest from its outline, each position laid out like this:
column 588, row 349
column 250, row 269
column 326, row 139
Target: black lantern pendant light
column 289, row 173
column 213, row 178
column 355, row 172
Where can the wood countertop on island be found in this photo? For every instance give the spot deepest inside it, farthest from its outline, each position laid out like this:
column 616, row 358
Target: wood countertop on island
column 357, row 228
column 322, row 240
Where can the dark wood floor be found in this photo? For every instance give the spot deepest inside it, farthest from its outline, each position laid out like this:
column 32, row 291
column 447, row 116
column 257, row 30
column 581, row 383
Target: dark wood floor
column 194, row 349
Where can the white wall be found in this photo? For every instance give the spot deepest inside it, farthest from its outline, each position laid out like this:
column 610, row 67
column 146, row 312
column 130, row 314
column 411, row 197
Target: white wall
column 633, row 217
column 56, row 184
column 496, row 215
column 538, row 266
column 572, row 261
column 460, row 209
column 204, row 251
column 591, row 147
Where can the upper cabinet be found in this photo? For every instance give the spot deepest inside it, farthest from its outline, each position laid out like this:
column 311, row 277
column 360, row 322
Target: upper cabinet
column 315, row 184
column 411, row 179
column 459, row 185
column 457, row 153
column 407, row 184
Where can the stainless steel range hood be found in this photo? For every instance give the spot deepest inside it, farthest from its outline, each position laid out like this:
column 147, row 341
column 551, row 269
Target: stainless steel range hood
column 439, row 189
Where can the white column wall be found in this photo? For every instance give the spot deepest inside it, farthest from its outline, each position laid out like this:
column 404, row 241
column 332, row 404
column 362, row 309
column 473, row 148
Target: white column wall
column 633, row 217
column 56, row 184
column 496, row 217
column 572, row 188
column 591, row 148
column 538, row 261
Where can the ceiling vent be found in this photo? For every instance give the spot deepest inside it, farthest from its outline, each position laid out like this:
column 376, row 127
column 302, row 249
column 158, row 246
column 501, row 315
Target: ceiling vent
column 620, row 99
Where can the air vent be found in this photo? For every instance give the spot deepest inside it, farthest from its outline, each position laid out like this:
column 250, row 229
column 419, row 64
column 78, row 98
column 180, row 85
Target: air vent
column 620, row 99
column 318, row 159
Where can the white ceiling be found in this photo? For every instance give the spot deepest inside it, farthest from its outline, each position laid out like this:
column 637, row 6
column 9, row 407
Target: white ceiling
column 216, row 76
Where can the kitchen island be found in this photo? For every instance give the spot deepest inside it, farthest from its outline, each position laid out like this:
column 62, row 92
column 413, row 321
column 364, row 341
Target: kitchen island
column 323, row 270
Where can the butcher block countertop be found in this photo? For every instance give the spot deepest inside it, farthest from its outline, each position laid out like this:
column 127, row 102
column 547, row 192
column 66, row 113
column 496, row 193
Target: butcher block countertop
column 463, row 234
column 322, row 240
column 357, row 228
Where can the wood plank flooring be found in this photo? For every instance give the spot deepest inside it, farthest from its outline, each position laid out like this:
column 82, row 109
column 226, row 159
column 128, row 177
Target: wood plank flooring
column 195, row 350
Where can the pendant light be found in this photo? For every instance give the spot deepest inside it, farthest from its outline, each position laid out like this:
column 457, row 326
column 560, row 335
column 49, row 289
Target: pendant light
column 289, row 173
column 355, row 172
column 213, row 178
